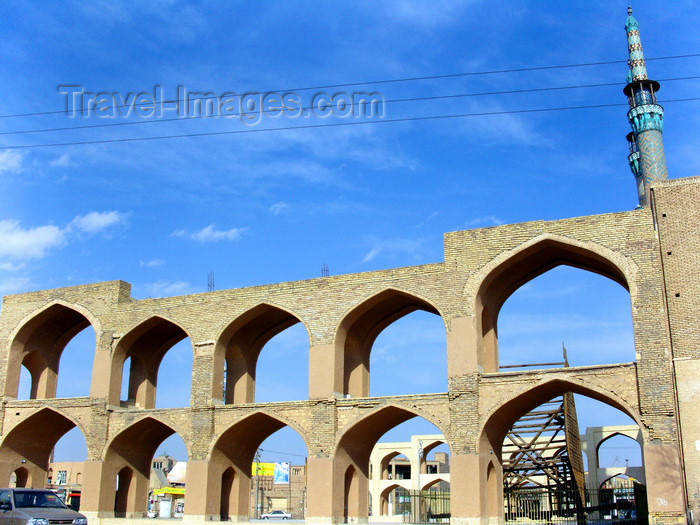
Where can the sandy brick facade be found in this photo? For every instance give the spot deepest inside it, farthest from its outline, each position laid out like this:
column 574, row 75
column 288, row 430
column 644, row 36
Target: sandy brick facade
column 651, row 251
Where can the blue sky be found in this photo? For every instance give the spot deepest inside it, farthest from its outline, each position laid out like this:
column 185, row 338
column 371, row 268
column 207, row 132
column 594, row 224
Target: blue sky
column 270, row 206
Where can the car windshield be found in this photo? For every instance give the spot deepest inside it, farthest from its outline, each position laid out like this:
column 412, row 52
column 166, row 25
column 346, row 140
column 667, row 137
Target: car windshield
column 37, row 498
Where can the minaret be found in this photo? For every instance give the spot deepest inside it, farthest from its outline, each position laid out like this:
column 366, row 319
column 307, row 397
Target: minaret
column 647, row 158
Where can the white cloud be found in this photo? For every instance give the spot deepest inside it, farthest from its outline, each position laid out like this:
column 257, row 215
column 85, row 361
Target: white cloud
column 11, row 161
column 9, row 267
column 32, row 243
column 61, row 162
column 95, row 221
column 14, row 285
column 392, row 247
column 279, row 207
column 486, row 220
column 168, row 288
column 211, row 234
column 19, row 243
column 154, row 263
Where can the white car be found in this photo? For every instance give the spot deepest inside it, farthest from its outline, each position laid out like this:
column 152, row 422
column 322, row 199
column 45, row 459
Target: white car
column 276, row 514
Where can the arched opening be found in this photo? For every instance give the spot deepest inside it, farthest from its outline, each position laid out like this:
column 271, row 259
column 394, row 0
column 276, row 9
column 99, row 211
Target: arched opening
column 257, row 466
column 76, row 365
column 536, row 439
column 521, row 268
column 351, row 502
column 619, row 451
column 227, row 502
column 587, row 313
column 145, row 347
column 38, row 347
column 238, row 351
column 174, row 376
column 388, row 497
column 359, row 330
column 398, row 356
column 282, row 370
column 125, row 492
column 493, row 491
column 22, row 478
column 127, row 469
column 29, row 446
column 393, row 442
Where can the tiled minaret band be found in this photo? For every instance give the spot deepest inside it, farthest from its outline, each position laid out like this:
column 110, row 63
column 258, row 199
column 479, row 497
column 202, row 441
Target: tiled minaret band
column 647, row 159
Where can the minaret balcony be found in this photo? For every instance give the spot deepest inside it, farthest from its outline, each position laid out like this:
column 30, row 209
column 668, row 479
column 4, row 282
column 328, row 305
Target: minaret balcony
column 647, row 117
column 633, row 160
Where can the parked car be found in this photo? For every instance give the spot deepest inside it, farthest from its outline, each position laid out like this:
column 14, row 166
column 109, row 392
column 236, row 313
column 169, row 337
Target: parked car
column 276, row 514
column 35, row 507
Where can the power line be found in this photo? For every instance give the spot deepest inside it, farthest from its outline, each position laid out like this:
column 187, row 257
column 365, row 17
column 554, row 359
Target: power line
column 336, row 124
column 404, row 79
column 309, row 108
column 283, row 453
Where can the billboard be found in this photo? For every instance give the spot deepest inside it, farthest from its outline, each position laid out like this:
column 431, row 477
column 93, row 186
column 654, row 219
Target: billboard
column 281, row 473
column 263, row 469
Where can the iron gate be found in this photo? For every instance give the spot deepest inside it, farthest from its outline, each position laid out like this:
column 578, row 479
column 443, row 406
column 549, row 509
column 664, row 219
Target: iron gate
column 423, row 506
column 619, row 506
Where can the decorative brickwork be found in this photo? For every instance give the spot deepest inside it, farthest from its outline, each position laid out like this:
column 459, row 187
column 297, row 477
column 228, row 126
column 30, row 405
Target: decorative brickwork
column 652, row 252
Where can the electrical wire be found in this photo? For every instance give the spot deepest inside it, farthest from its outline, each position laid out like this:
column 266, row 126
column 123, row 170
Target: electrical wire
column 309, row 108
column 336, row 124
column 286, row 453
column 410, row 79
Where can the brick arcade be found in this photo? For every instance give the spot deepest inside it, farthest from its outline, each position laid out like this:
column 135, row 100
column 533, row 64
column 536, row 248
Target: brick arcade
column 651, row 251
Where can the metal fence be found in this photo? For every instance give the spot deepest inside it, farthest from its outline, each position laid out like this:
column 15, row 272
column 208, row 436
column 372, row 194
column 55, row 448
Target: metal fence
column 423, row 506
column 601, row 507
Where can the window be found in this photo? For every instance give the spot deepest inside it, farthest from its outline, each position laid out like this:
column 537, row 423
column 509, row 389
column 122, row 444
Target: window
column 61, row 478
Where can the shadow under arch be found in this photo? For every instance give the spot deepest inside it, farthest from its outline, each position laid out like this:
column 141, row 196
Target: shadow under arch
column 128, row 458
column 38, row 344
column 146, row 344
column 238, row 348
column 29, row 444
column 352, row 454
column 524, row 264
column 360, row 327
column 230, row 464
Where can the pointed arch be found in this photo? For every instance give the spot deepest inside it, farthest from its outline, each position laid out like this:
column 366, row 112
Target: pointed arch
column 126, row 467
column 238, row 348
column 354, row 447
column 434, row 481
column 230, row 462
column 384, row 499
column 500, row 418
column 623, row 433
column 146, row 344
column 29, row 444
column 494, row 489
column 384, row 463
column 501, row 277
column 37, row 343
column 360, row 327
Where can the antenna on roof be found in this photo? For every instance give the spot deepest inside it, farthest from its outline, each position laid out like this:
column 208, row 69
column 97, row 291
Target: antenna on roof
column 210, row 281
column 324, row 270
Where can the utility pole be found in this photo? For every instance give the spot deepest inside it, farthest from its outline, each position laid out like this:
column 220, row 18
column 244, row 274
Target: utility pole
column 257, row 483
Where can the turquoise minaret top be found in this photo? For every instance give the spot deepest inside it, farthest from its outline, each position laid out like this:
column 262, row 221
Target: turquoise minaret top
column 647, row 159
column 638, row 69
